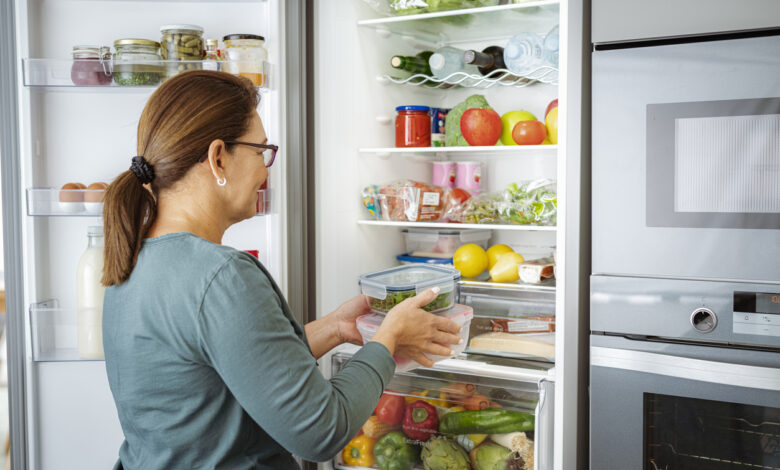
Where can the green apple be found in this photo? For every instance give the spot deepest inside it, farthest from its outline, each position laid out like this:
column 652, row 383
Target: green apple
column 509, row 121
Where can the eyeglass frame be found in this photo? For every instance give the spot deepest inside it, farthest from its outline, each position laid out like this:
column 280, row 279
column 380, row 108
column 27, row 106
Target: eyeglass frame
column 273, row 148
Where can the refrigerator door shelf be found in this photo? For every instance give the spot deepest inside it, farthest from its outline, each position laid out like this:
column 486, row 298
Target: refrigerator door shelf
column 129, row 76
column 54, row 333
column 50, row 202
column 468, row 383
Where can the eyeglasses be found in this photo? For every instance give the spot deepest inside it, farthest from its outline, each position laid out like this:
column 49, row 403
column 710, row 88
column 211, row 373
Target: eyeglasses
column 272, row 148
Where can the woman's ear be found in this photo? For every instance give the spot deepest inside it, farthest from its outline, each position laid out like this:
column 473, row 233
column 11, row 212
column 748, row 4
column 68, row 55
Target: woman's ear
column 216, row 158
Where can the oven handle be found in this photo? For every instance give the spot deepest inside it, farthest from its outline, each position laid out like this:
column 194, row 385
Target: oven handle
column 723, row 373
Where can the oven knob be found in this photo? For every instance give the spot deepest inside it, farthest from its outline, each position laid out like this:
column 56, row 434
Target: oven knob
column 704, row 320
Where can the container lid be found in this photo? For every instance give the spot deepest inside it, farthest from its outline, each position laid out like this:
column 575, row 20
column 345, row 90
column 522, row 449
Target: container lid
column 436, row 61
column 243, row 36
column 369, row 324
column 411, row 277
column 90, row 51
column 413, row 108
column 212, row 42
column 187, row 27
column 420, row 259
column 135, row 42
column 465, row 235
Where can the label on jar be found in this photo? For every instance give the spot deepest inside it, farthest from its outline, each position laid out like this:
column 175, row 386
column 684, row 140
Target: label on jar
column 210, row 65
column 430, row 199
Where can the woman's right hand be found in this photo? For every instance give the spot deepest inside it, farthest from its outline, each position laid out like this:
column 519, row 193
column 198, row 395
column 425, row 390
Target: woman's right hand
column 409, row 331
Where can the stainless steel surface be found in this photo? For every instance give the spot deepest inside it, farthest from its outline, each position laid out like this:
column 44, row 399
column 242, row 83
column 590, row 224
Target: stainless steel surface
column 704, row 320
column 631, row 20
column 625, row 83
column 12, row 236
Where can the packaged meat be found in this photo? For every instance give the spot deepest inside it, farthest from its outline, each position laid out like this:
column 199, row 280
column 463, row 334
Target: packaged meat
column 411, row 201
column 536, row 271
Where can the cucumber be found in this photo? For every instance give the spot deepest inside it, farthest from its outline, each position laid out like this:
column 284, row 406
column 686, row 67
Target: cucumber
column 490, row 421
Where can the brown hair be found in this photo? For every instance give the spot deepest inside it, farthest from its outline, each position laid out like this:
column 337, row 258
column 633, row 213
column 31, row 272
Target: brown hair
column 180, row 120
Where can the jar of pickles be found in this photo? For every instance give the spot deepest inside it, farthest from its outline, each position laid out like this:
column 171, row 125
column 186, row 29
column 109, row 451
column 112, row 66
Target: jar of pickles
column 182, row 43
column 246, row 56
column 91, row 65
column 137, row 62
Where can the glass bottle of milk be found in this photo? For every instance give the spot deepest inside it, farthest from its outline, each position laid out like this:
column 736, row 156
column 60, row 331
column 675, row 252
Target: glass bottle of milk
column 89, row 297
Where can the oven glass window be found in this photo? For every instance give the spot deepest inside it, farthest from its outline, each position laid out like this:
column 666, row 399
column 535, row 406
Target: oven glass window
column 694, row 434
column 727, row 164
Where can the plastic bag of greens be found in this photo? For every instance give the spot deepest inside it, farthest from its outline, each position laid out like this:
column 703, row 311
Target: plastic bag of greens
column 416, row 7
column 527, row 203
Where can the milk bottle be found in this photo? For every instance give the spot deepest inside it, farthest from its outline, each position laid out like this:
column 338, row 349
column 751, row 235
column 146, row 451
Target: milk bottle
column 89, row 297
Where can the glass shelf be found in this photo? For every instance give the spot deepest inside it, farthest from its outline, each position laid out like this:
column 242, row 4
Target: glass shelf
column 500, row 77
column 54, row 333
column 57, row 72
column 51, row 202
column 449, row 226
column 473, row 151
column 499, row 21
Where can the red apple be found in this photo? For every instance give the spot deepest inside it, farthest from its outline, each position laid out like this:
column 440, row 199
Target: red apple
column 480, row 126
column 529, row 133
column 553, row 104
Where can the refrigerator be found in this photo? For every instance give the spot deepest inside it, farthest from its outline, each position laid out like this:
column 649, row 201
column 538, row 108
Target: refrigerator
column 329, row 103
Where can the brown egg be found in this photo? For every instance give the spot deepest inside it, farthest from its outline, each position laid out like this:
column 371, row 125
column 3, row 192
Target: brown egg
column 95, row 192
column 69, row 195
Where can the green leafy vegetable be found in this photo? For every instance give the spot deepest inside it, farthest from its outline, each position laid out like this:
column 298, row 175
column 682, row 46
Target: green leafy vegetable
column 444, row 300
column 533, row 202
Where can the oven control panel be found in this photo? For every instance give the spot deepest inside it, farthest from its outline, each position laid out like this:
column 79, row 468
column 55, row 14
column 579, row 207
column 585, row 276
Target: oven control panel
column 704, row 320
column 757, row 313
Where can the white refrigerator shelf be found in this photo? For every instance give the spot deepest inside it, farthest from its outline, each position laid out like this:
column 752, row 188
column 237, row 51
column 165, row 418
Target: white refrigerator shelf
column 54, row 333
column 51, row 202
column 466, row 151
column 108, row 74
column 499, row 77
column 449, row 226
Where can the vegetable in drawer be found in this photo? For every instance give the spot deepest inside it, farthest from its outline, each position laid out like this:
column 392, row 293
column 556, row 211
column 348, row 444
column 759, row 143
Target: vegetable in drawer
column 395, row 452
column 489, row 421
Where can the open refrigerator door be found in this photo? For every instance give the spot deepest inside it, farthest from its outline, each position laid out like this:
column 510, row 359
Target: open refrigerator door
column 77, row 114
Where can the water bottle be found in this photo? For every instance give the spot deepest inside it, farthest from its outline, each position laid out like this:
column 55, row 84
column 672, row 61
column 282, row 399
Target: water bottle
column 448, row 60
column 525, row 53
column 551, row 45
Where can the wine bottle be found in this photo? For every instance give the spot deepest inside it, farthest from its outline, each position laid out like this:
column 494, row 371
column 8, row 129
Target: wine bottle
column 490, row 59
column 413, row 64
column 448, row 61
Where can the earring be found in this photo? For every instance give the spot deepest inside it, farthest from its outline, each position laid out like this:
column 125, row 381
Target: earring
column 221, row 181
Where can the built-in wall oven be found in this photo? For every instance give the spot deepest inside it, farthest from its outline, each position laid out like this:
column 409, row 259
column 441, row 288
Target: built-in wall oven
column 685, row 291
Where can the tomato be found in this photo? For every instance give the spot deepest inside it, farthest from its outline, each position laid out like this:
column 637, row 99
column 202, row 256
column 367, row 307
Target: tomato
column 459, row 196
column 529, row 133
column 390, row 409
column 481, row 126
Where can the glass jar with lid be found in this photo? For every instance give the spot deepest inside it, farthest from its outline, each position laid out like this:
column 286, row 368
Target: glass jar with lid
column 91, row 65
column 246, row 54
column 211, row 57
column 183, row 43
column 137, row 62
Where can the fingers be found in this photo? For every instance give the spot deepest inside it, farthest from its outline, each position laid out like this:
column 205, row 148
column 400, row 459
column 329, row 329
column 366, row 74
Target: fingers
column 447, row 338
column 447, row 325
column 422, row 359
column 421, row 300
column 439, row 350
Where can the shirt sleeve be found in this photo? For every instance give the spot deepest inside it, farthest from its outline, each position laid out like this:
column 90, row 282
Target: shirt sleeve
column 252, row 345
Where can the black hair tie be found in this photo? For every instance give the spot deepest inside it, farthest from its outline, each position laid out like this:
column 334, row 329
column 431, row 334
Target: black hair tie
column 142, row 169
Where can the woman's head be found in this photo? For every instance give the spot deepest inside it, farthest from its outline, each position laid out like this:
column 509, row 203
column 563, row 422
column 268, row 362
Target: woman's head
column 181, row 137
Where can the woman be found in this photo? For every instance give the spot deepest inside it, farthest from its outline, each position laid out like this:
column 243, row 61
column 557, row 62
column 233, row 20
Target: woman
column 206, row 364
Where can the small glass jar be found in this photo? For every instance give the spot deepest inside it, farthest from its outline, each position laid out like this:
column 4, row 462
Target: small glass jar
column 413, row 126
column 91, row 65
column 137, row 62
column 211, row 57
column 181, row 42
column 245, row 56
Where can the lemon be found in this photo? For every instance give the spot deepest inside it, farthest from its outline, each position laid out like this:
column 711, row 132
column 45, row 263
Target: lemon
column 470, row 260
column 551, row 122
column 495, row 251
column 506, row 268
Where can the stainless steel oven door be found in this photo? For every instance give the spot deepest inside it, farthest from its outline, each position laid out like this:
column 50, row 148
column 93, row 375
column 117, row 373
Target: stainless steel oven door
column 686, row 160
column 657, row 406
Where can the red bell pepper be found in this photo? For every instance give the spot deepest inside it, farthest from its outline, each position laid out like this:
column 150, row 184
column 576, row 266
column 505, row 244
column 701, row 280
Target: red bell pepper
column 420, row 421
column 390, row 409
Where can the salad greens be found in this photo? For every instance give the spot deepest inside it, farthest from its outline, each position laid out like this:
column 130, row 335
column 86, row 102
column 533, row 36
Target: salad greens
column 443, row 301
column 534, row 202
column 415, row 7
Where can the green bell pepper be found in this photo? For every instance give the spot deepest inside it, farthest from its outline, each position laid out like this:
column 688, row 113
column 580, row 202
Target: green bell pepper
column 394, row 452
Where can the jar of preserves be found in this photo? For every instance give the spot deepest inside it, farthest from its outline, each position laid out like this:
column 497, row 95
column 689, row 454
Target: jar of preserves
column 91, row 65
column 137, row 62
column 211, row 56
column 182, row 43
column 245, row 56
column 413, row 126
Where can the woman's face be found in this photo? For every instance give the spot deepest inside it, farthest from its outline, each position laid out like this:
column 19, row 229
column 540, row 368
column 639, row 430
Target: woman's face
column 245, row 171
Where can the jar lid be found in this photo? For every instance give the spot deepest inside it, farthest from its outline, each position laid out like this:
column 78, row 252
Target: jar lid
column 243, row 36
column 188, row 27
column 135, row 42
column 90, row 51
column 212, row 42
column 413, row 108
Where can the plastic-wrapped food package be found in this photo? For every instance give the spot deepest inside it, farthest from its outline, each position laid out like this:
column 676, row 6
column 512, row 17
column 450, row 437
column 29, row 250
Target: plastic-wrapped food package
column 533, row 202
column 416, row 7
column 411, row 201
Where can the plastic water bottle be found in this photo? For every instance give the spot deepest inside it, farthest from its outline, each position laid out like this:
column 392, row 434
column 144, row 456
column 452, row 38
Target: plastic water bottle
column 448, row 60
column 551, row 45
column 525, row 53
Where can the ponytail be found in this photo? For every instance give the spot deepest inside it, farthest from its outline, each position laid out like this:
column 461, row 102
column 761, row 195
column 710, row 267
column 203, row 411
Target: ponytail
column 180, row 120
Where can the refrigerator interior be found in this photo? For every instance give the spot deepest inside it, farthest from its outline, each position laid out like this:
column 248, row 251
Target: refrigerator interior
column 88, row 134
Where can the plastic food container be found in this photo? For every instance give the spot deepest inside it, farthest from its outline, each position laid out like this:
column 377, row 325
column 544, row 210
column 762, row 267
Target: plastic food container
column 461, row 314
column 413, row 126
column 442, row 243
column 136, row 62
column 181, row 42
column 387, row 288
column 245, row 56
column 406, row 259
column 91, row 66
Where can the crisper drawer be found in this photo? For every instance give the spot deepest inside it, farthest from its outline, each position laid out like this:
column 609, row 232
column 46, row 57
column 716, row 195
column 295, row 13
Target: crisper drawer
column 479, row 415
column 514, row 323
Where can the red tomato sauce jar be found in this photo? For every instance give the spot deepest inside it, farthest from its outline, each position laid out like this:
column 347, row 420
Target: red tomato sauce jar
column 91, row 66
column 413, row 126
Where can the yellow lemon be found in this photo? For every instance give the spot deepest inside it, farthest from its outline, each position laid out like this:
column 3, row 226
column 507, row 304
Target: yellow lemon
column 506, row 268
column 495, row 251
column 470, row 260
column 551, row 122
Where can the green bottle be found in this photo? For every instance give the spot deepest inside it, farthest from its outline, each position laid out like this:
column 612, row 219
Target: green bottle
column 413, row 64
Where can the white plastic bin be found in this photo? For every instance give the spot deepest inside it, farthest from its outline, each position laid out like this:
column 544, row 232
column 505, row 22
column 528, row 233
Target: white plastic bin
column 442, row 243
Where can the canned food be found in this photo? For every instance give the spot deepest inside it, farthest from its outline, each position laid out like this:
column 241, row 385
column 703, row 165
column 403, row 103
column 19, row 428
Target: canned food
column 413, row 126
column 245, row 56
column 184, row 43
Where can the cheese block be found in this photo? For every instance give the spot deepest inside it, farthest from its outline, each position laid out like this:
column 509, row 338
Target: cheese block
column 542, row 345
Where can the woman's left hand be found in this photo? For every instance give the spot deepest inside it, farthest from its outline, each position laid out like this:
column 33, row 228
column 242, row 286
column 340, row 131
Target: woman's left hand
column 344, row 319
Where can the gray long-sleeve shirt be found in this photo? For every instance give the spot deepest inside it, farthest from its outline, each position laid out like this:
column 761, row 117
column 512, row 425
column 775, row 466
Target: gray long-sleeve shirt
column 209, row 369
